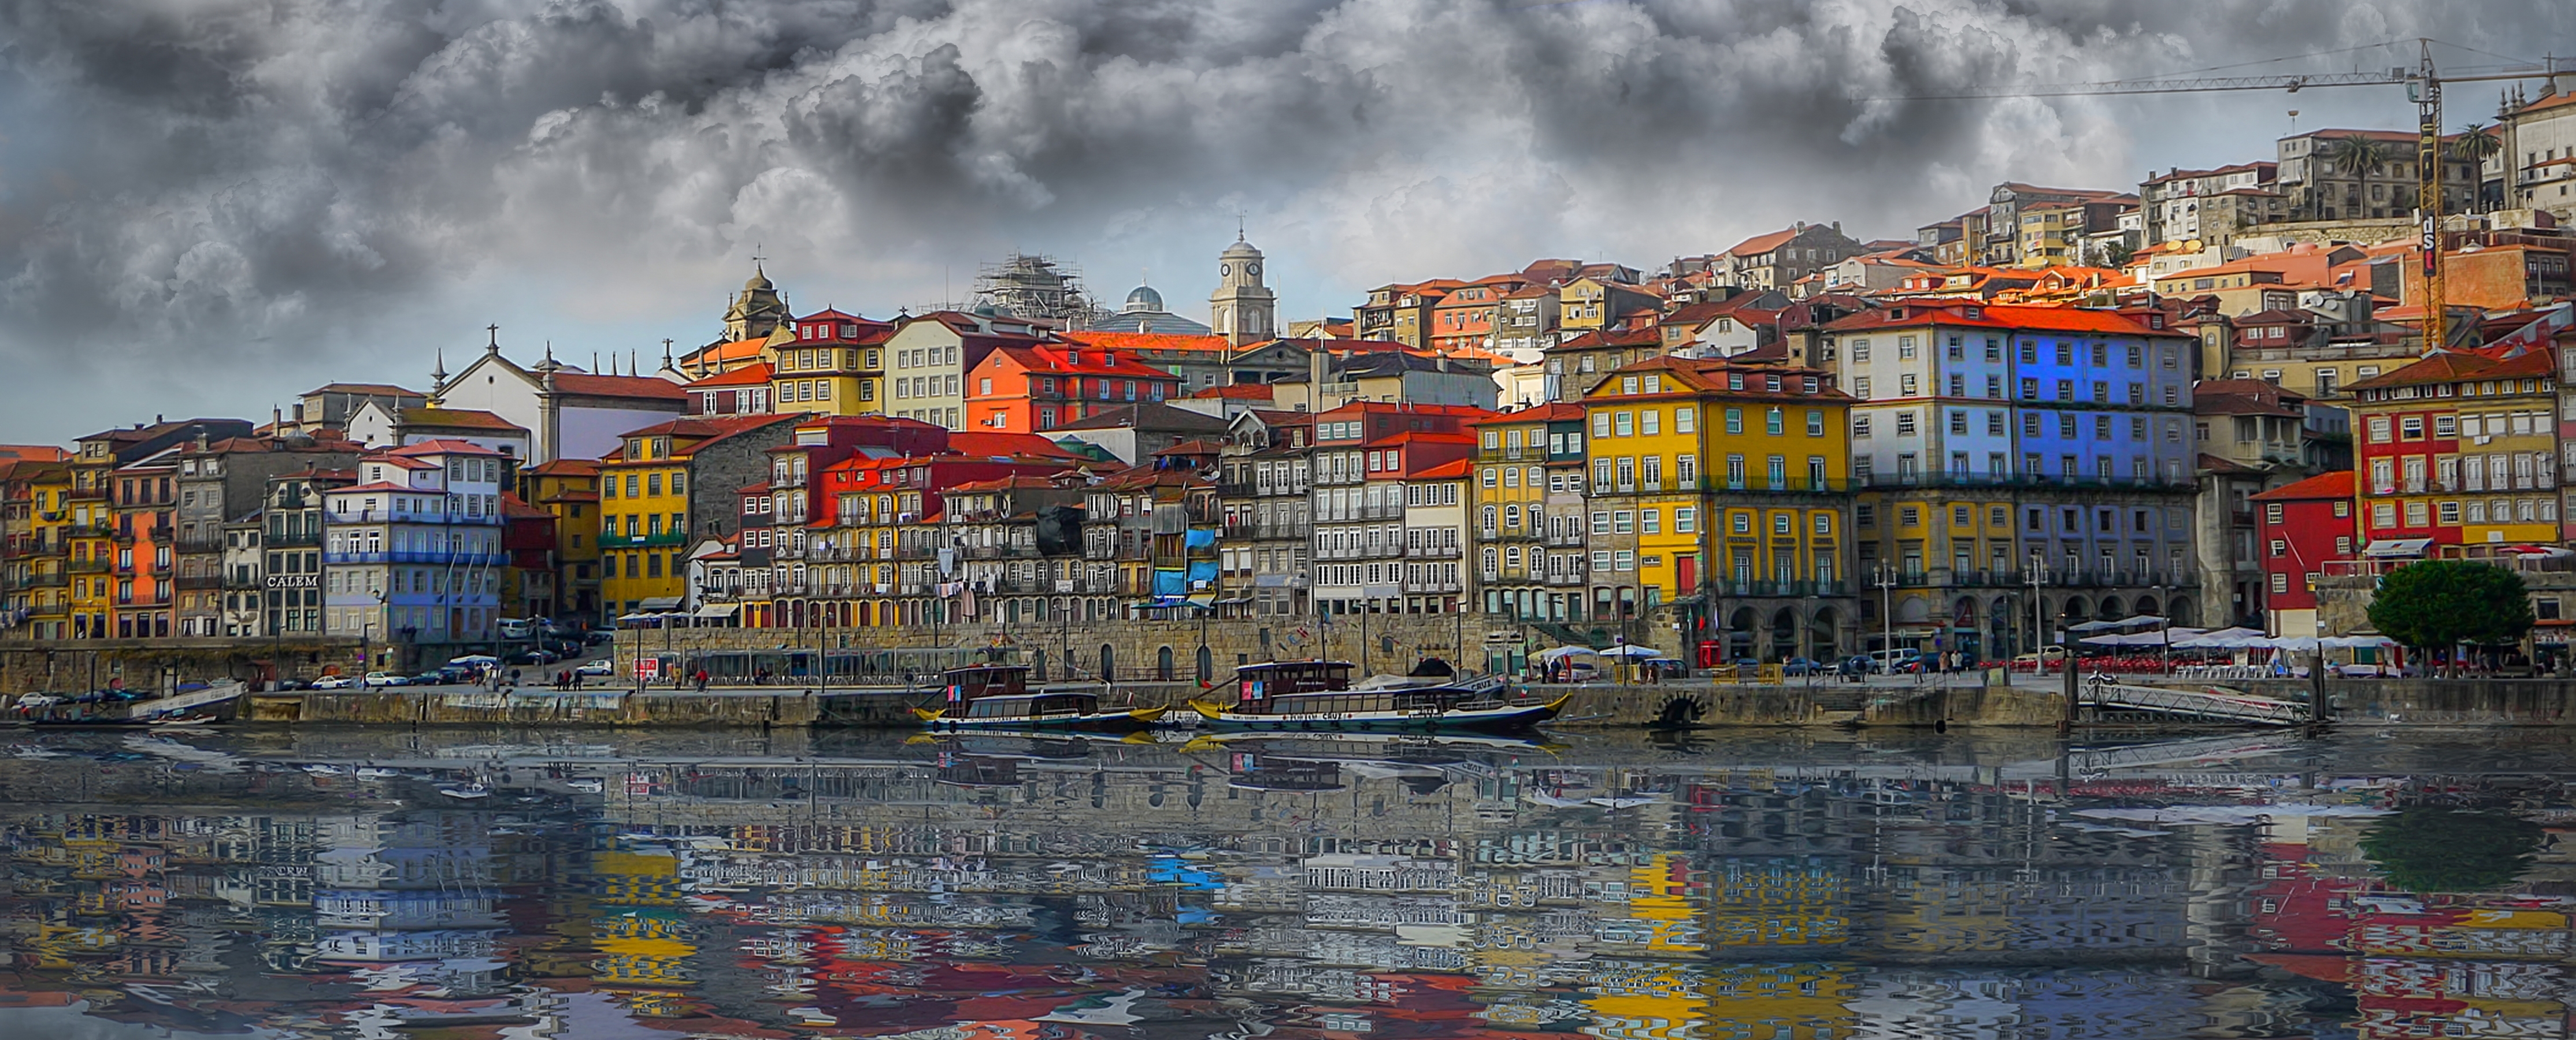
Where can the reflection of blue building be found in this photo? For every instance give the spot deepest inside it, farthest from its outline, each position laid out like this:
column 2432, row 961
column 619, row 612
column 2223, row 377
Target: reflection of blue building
column 1989, row 438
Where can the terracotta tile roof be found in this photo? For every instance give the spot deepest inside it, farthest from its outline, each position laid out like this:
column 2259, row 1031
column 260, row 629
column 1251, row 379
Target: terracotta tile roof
column 458, row 419
column 2451, row 366
column 33, row 453
column 1195, row 446
column 441, row 446
column 1996, row 316
column 984, row 443
column 709, row 428
column 1454, row 469
column 1149, row 416
column 640, row 388
column 2245, row 397
column 1556, row 411
column 1760, row 244
column 2330, row 485
column 731, row 350
column 757, row 373
column 1240, row 392
column 1059, row 359
column 567, row 468
column 2213, row 464
column 512, row 507
column 369, row 389
column 1133, row 341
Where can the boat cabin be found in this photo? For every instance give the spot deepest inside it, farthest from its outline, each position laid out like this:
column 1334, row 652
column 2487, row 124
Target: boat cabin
column 1258, row 683
column 985, row 680
column 1031, row 705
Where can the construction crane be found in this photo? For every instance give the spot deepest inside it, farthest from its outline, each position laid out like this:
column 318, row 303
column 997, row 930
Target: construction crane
column 2424, row 87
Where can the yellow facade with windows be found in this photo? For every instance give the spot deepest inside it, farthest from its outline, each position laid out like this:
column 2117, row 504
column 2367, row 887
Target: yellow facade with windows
column 1710, row 477
column 92, row 550
column 828, row 380
column 49, row 525
column 643, row 522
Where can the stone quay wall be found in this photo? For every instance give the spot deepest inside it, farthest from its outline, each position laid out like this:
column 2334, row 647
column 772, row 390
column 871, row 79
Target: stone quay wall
column 71, row 666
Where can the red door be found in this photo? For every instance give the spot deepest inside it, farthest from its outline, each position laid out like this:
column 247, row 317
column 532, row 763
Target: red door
column 1685, row 574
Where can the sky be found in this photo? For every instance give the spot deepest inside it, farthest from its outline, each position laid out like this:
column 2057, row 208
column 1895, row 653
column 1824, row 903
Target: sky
column 209, row 206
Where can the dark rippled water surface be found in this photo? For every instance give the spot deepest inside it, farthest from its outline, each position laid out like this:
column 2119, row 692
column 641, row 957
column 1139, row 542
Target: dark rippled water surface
column 444, row 885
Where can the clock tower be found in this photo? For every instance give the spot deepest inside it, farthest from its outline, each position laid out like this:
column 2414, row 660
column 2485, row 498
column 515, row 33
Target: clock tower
column 1242, row 309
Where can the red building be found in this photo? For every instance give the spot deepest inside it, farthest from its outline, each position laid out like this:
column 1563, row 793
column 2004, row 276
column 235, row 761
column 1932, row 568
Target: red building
column 2300, row 527
column 1029, row 389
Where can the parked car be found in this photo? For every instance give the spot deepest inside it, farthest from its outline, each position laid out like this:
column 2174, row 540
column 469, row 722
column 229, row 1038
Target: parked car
column 38, row 700
column 386, row 679
column 334, row 682
column 1887, row 662
column 598, row 637
column 1803, row 666
column 602, row 666
column 2055, row 654
column 531, row 657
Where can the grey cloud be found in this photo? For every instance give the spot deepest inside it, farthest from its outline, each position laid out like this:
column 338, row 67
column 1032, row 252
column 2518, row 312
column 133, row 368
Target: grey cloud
column 233, row 193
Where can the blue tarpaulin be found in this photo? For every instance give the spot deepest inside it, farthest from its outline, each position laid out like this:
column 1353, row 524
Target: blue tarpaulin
column 1201, row 537
column 1169, row 583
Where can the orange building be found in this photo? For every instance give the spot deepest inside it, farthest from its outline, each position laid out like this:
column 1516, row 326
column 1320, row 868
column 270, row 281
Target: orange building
column 1037, row 388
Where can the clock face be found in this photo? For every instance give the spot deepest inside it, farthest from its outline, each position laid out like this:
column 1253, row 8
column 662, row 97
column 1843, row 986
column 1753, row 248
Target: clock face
column 1252, row 269
column 1223, row 270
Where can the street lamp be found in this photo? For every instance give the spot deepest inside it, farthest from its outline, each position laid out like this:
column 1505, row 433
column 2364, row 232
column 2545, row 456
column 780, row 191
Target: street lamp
column 1885, row 579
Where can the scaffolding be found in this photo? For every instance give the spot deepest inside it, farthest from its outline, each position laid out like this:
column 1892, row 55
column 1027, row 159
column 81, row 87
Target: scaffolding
column 1037, row 288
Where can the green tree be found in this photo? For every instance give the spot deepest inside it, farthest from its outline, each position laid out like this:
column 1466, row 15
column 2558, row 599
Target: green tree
column 2355, row 154
column 2477, row 143
column 2443, row 603
column 2428, row 849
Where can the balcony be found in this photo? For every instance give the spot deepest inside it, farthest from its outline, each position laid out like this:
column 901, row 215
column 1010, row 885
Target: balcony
column 1431, row 552
column 1971, row 480
column 664, row 540
column 47, row 580
column 1778, row 588
column 1563, row 578
column 461, row 559
column 199, row 546
column 200, row 581
column 89, row 566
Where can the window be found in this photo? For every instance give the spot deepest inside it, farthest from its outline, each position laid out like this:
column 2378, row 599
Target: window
column 1905, row 424
column 1860, row 427
column 1685, row 520
column 1815, row 423
column 1685, row 420
column 1735, row 420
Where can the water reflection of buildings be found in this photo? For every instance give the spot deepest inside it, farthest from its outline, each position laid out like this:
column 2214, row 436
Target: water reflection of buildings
column 1310, row 888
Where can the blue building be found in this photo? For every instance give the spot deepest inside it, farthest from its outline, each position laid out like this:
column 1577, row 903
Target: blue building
column 1993, row 443
column 412, row 557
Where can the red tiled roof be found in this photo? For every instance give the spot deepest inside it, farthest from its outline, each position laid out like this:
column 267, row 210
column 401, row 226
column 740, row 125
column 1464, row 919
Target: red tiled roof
column 1453, row 469
column 1240, row 391
column 370, row 389
column 985, row 443
column 1760, row 244
column 2452, row 366
column 653, row 388
column 567, row 468
column 2336, row 484
column 1996, row 316
column 1095, row 361
column 757, row 373
column 458, row 419
column 1132, row 341
column 443, row 446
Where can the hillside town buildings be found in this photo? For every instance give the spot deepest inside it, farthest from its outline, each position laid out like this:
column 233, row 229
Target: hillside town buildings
column 2193, row 398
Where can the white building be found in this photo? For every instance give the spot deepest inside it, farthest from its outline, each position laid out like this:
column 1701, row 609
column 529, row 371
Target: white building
column 412, row 552
column 569, row 413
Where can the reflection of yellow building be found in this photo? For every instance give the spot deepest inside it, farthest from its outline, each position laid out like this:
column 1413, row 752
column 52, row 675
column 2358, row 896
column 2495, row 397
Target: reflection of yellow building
column 642, row 948
column 1776, row 901
column 1784, row 1001
column 1661, row 919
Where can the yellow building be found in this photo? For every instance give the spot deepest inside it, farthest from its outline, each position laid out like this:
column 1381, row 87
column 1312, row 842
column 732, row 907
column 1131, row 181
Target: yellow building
column 39, row 521
column 1719, row 491
column 665, row 483
column 569, row 489
column 88, row 537
column 2458, row 449
column 1528, row 515
column 834, row 364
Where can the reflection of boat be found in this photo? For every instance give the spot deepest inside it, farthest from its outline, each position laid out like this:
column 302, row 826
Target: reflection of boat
column 1318, row 695
column 1372, row 743
column 997, row 696
column 468, row 792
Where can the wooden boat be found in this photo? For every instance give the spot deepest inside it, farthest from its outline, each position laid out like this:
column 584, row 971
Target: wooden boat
column 997, row 696
column 1318, row 695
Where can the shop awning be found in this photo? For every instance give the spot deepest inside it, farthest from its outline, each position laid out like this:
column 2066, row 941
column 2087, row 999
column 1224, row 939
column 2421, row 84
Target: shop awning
column 718, row 610
column 2395, row 548
column 658, row 603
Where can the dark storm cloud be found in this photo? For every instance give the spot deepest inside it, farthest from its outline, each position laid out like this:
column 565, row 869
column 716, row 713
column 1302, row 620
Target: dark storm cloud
column 207, row 187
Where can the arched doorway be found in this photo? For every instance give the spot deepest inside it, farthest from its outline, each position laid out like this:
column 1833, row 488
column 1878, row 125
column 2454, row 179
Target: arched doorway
column 1784, row 635
column 2002, row 621
column 1038, row 665
column 1824, row 635
column 2110, row 609
column 2182, row 610
column 1739, row 634
column 2071, row 611
column 2146, row 605
column 1207, row 666
column 1964, row 636
column 1108, row 664
column 1163, row 664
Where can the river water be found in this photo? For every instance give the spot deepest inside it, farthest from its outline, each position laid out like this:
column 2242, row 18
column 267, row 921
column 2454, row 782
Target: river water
column 453, row 884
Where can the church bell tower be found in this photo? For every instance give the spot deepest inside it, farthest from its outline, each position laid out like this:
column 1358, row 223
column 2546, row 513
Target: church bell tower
column 1242, row 309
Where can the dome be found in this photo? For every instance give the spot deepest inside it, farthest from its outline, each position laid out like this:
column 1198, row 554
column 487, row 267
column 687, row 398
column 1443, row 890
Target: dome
column 1240, row 249
column 1143, row 299
column 758, row 282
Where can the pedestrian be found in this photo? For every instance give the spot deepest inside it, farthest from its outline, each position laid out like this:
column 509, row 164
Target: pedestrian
column 702, row 680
